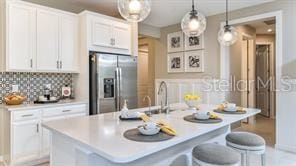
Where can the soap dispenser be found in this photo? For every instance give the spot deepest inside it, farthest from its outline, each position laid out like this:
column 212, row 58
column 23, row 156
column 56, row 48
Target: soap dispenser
column 124, row 108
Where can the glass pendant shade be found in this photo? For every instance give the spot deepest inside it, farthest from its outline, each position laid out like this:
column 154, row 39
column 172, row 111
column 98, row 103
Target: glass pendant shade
column 134, row 10
column 194, row 23
column 228, row 35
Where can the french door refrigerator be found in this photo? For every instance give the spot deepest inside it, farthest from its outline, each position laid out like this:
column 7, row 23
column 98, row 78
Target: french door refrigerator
column 113, row 79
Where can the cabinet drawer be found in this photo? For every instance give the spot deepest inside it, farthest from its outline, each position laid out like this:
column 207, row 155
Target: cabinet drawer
column 25, row 115
column 58, row 111
column 74, row 109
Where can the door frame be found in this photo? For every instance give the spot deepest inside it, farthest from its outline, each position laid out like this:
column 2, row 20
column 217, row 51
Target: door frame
column 271, row 73
column 224, row 53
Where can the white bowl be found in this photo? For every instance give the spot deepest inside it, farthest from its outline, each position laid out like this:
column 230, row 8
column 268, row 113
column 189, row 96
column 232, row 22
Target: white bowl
column 203, row 115
column 230, row 107
column 149, row 128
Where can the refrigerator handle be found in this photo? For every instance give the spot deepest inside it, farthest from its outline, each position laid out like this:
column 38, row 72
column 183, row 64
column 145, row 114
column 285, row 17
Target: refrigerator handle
column 117, row 89
column 120, row 87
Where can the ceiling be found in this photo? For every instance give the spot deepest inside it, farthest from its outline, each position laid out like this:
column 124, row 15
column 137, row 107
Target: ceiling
column 163, row 13
column 262, row 26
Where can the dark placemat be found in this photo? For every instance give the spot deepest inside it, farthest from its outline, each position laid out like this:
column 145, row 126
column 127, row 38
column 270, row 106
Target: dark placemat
column 191, row 118
column 129, row 119
column 230, row 112
column 135, row 135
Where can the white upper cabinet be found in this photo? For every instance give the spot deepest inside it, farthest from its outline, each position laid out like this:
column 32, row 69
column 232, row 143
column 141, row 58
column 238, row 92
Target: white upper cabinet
column 102, row 33
column 107, row 34
column 122, row 36
column 68, row 56
column 47, row 41
column 38, row 38
column 20, row 37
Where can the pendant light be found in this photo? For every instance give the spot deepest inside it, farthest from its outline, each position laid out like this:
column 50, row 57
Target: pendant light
column 193, row 23
column 134, row 10
column 228, row 34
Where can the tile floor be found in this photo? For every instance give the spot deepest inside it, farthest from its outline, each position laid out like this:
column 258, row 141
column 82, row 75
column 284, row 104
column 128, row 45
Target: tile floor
column 265, row 127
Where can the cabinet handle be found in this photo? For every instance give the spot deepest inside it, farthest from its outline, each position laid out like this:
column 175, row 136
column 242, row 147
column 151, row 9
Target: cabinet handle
column 58, row 64
column 113, row 41
column 66, row 110
column 28, row 115
column 37, row 128
column 61, row 64
column 31, row 63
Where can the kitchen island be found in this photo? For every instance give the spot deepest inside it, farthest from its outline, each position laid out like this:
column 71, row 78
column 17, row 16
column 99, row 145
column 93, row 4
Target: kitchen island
column 98, row 140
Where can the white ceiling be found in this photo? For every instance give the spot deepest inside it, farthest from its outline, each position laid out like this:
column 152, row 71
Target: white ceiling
column 262, row 28
column 163, row 13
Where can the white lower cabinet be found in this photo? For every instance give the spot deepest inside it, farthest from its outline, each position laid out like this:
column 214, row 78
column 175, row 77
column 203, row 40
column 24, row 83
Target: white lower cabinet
column 29, row 140
column 25, row 140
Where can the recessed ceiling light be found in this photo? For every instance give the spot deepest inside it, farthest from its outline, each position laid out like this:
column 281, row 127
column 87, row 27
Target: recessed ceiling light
column 269, row 30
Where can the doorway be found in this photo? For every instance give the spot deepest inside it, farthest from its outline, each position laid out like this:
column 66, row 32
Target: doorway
column 146, row 70
column 257, row 62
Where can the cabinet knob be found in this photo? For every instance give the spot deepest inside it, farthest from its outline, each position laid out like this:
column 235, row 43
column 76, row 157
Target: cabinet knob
column 57, row 64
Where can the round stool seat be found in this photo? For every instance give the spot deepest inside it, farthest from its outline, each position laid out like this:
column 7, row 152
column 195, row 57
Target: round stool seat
column 245, row 139
column 215, row 154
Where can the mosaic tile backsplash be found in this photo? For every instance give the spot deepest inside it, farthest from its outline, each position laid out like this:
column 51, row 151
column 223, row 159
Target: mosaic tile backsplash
column 31, row 85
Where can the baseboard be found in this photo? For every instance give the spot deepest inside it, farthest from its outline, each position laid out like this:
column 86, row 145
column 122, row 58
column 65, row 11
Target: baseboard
column 285, row 148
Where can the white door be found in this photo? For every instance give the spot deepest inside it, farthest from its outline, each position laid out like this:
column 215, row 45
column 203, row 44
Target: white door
column 21, row 37
column 101, row 33
column 47, row 41
column 122, row 36
column 25, row 140
column 263, row 75
column 68, row 43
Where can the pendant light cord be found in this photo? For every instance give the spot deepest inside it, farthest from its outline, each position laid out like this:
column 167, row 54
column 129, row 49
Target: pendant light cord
column 192, row 5
column 226, row 12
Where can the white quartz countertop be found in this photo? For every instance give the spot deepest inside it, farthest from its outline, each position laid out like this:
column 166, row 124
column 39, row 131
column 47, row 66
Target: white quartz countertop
column 38, row 106
column 103, row 134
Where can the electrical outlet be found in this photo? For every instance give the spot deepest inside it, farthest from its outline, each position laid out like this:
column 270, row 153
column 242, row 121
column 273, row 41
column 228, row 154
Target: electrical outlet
column 47, row 86
column 15, row 88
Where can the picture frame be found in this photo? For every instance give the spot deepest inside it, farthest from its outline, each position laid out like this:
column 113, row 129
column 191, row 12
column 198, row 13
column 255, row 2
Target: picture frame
column 194, row 43
column 194, row 61
column 175, row 42
column 175, row 62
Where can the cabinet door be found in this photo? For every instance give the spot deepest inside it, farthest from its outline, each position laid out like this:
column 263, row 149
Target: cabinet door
column 25, row 140
column 68, row 43
column 101, row 32
column 47, row 41
column 45, row 144
column 122, row 36
column 20, row 37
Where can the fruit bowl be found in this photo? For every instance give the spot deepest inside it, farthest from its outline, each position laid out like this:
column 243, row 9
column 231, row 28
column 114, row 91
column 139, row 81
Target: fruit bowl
column 14, row 99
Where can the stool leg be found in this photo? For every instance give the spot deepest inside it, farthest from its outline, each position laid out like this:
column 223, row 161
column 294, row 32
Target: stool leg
column 243, row 159
column 263, row 159
column 247, row 158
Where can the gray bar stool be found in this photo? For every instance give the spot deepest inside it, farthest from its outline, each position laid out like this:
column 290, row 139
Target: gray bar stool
column 214, row 155
column 247, row 143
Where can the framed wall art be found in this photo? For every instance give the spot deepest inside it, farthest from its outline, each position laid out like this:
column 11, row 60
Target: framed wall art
column 194, row 61
column 175, row 42
column 176, row 62
column 194, row 43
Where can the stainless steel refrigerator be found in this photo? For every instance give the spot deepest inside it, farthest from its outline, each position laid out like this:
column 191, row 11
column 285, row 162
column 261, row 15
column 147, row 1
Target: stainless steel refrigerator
column 113, row 79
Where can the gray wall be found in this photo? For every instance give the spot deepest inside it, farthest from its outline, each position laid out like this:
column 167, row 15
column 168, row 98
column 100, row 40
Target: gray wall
column 286, row 135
